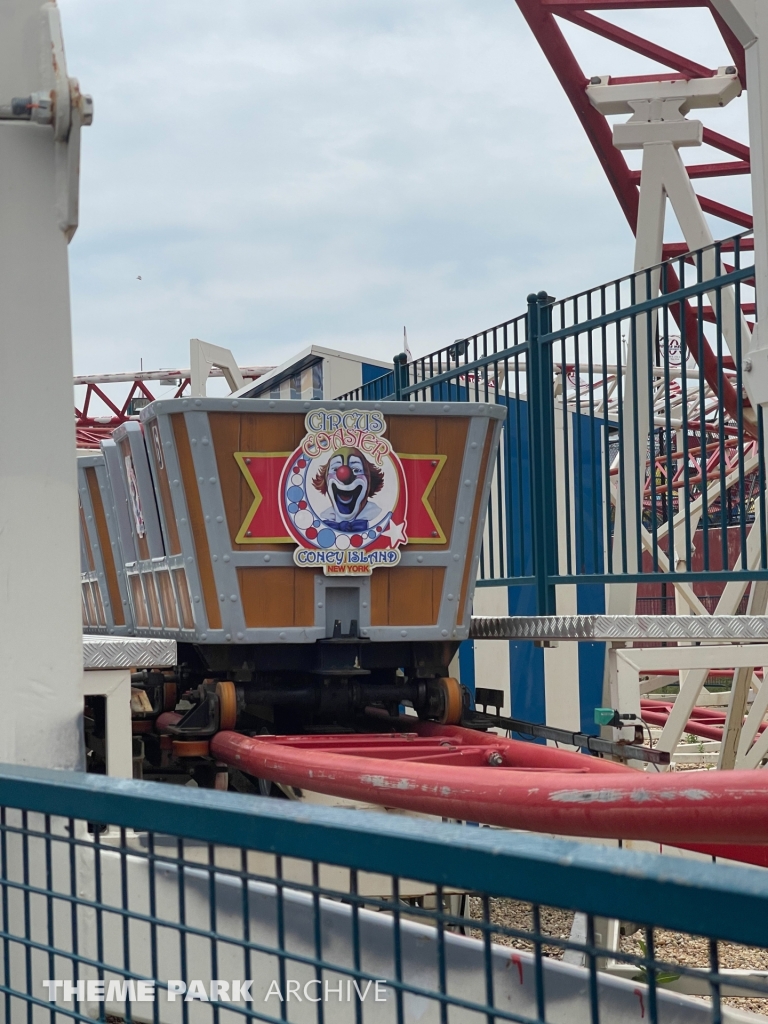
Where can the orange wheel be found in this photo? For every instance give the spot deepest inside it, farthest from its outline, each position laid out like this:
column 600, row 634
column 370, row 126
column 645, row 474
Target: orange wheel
column 227, row 704
column 191, row 748
column 170, row 696
column 453, row 702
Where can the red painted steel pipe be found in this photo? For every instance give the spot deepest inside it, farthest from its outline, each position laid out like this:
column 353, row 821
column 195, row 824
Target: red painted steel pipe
column 708, row 723
column 575, row 795
column 694, row 726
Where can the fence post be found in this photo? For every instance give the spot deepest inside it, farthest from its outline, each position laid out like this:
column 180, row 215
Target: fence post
column 542, row 452
column 401, row 375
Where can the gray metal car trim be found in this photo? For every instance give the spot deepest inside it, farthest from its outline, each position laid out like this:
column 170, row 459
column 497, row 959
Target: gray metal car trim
column 110, row 652
column 389, row 408
column 621, row 628
column 216, row 525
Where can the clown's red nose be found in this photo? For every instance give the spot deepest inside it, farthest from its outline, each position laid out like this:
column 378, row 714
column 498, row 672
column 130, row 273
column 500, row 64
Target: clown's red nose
column 344, row 474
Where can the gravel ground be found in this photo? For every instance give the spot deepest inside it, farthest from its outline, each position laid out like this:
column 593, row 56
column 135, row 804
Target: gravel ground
column 671, row 947
column 514, row 914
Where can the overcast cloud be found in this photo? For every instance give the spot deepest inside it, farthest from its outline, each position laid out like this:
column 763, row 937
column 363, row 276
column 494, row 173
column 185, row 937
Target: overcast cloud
column 288, row 172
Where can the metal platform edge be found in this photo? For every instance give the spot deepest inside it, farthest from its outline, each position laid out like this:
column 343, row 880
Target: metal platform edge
column 105, row 652
column 621, row 628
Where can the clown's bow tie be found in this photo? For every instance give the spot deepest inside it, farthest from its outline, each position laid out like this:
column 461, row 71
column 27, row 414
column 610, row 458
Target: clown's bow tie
column 344, row 527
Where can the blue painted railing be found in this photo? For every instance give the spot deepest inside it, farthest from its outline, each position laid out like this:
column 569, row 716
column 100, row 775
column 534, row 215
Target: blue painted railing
column 170, row 892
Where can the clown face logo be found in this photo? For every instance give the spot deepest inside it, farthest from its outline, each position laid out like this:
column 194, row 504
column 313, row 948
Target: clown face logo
column 349, row 481
column 343, row 495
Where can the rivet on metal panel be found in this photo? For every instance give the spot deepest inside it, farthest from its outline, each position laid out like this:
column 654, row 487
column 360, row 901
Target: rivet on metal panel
column 462, row 519
column 197, row 597
column 228, row 636
column 412, row 406
column 198, row 401
column 306, row 405
column 456, row 558
column 203, row 636
column 467, row 483
column 213, row 479
column 450, row 597
column 473, row 445
column 240, row 636
column 234, row 406
column 403, row 632
column 219, row 519
column 271, row 405
column 445, row 632
column 221, row 597
column 365, row 604
column 204, row 440
column 233, row 597
column 201, row 480
column 419, row 558
column 247, row 533
column 267, row 558
column 319, row 604
column 215, row 558
column 247, row 462
column 377, row 405
column 446, row 408
column 282, row 636
column 175, row 483
column 225, row 558
column 207, row 519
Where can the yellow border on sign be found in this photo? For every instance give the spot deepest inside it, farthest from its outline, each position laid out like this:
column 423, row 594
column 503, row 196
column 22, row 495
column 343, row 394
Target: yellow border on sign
column 440, row 538
column 258, row 497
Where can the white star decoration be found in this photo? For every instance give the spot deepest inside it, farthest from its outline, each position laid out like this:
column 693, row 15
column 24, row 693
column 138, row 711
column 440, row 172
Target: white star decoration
column 395, row 532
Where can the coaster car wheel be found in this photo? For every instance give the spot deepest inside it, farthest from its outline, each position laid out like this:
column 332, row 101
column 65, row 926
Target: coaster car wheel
column 451, row 700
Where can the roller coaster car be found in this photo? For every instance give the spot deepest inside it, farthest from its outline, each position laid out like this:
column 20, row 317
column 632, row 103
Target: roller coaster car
column 318, row 558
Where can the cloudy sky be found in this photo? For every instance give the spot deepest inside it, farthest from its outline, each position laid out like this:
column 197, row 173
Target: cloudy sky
column 288, row 172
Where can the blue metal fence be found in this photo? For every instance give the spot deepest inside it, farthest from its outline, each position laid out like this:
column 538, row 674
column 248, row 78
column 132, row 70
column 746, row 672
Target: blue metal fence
column 161, row 903
column 630, row 452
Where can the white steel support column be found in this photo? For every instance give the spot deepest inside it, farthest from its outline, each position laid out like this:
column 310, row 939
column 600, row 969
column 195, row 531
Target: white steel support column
column 40, row 617
column 748, row 19
column 659, row 127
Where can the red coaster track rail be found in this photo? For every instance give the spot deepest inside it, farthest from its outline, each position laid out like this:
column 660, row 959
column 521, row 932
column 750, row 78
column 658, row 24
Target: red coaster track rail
column 459, row 773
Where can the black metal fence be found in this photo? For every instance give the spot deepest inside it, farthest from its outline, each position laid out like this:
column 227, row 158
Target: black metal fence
column 630, row 451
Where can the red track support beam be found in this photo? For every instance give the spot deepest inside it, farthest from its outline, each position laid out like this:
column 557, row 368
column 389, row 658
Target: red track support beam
column 530, row 787
column 688, row 68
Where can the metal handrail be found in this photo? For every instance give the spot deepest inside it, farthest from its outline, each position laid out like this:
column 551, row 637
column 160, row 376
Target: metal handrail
column 718, row 901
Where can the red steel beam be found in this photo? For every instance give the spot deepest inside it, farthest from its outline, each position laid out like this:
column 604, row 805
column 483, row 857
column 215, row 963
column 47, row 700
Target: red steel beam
column 573, row 794
column 539, row 15
column 725, row 145
column 688, row 68
column 724, row 212
column 620, row 5
column 715, row 170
